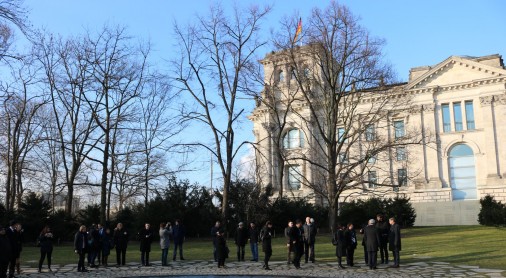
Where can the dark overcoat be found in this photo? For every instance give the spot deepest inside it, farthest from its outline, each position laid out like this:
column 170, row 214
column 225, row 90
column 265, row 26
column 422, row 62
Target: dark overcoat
column 121, row 238
column 371, row 238
column 266, row 235
column 341, row 244
column 146, row 238
column 394, row 238
column 241, row 236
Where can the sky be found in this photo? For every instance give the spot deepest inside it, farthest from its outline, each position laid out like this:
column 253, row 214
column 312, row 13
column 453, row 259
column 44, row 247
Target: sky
column 417, row 33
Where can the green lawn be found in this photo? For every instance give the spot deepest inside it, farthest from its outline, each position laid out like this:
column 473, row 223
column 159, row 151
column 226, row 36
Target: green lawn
column 462, row 245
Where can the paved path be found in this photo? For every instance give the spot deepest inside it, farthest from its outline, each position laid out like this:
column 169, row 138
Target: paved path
column 324, row 269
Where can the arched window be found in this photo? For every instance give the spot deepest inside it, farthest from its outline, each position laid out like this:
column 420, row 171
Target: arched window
column 462, row 172
column 294, row 138
column 281, row 76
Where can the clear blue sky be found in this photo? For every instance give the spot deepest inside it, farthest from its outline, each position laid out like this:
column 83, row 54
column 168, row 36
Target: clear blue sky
column 417, row 33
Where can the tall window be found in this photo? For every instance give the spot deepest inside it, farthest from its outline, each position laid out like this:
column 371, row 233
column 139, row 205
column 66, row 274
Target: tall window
column 292, row 74
column 340, row 134
column 294, row 138
column 370, row 133
column 469, row 115
column 402, row 177
column 399, row 129
column 281, row 76
column 457, row 116
column 447, row 127
column 294, row 177
column 343, row 158
column 401, row 153
column 372, row 178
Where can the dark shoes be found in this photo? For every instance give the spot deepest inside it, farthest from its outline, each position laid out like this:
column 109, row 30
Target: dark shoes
column 341, row 266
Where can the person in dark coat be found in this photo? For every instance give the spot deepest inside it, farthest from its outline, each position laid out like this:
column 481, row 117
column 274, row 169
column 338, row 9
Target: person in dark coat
column 221, row 248
column 366, row 257
column 253, row 241
column 93, row 245
column 395, row 241
column 340, row 246
column 146, row 238
column 241, row 237
column 81, row 247
column 351, row 243
column 121, row 238
column 45, row 240
column 309, row 239
column 5, row 253
column 372, row 241
column 15, row 238
column 214, row 234
column 107, row 243
column 289, row 245
column 297, row 239
column 383, row 229
column 178, row 234
column 266, row 238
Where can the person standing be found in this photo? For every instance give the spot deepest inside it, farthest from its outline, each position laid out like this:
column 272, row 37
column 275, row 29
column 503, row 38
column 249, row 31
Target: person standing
column 266, row 238
column 121, row 238
column 221, row 248
column 81, row 247
column 309, row 239
column 340, row 246
column 14, row 235
column 395, row 241
column 146, row 238
column 178, row 234
column 107, row 244
column 214, row 234
column 383, row 229
column 6, row 252
column 297, row 239
column 289, row 245
column 241, row 237
column 164, row 242
column 100, row 232
column 45, row 240
column 366, row 258
column 351, row 243
column 93, row 245
column 372, row 242
column 253, row 241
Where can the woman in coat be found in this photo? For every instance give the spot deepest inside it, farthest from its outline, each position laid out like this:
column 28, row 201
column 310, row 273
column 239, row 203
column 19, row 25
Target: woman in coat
column 81, row 247
column 351, row 243
column 164, row 241
column 221, row 248
column 46, row 247
column 340, row 246
column 146, row 238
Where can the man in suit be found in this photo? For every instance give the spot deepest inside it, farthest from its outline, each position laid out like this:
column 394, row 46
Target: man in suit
column 289, row 245
column 372, row 242
column 14, row 235
column 309, row 239
column 297, row 239
column 394, row 240
column 383, row 229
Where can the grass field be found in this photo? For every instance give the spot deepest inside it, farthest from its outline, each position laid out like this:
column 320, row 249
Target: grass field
column 462, row 245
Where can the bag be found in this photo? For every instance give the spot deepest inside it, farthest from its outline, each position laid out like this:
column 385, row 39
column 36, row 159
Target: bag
column 334, row 241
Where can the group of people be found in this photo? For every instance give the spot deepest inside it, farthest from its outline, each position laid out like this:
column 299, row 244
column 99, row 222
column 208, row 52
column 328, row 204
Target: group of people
column 378, row 234
column 97, row 242
column 11, row 239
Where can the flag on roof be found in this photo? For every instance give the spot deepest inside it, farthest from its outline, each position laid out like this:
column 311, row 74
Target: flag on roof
column 298, row 31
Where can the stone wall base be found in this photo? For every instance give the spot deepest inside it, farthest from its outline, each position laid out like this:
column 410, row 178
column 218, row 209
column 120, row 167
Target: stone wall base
column 447, row 213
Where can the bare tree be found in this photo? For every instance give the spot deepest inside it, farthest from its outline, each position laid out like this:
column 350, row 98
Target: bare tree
column 12, row 12
column 346, row 110
column 117, row 71
column 66, row 75
column 21, row 126
column 217, row 55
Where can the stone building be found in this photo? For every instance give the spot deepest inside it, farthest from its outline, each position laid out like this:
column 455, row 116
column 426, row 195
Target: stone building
column 459, row 103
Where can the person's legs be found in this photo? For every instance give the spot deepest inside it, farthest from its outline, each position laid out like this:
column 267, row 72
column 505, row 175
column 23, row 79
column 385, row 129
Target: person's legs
column 181, row 257
column 41, row 259
column 123, row 256
column 311, row 252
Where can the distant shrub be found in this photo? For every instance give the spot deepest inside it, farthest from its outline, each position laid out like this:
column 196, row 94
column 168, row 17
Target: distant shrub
column 359, row 211
column 492, row 213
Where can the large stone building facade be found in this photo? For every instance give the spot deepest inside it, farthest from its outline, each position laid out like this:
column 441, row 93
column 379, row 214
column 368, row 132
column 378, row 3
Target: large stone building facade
column 460, row 104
